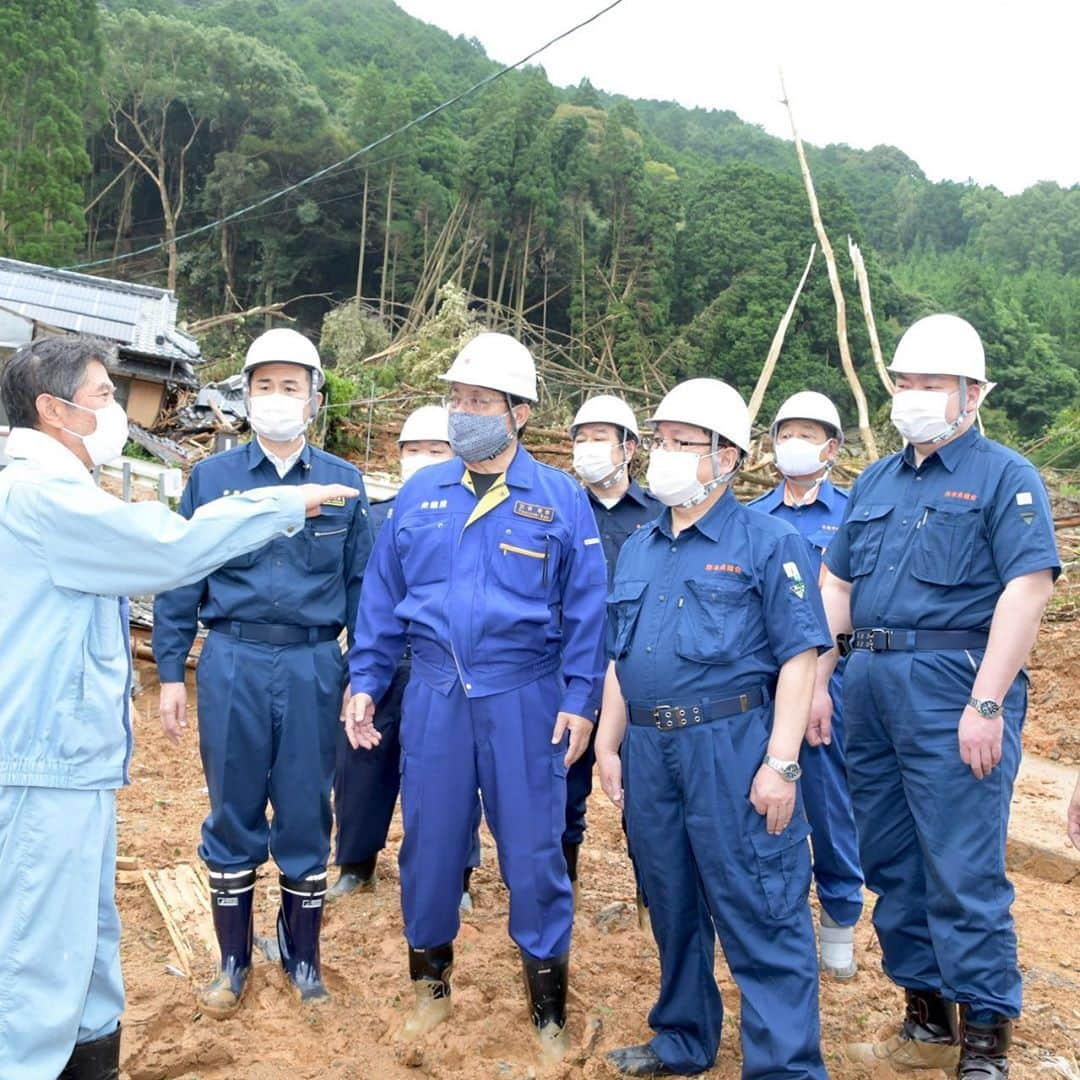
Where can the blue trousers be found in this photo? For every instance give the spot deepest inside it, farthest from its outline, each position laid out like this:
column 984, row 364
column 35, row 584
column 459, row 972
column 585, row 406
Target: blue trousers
column 711, row 869
column 268, row 729
column 932, row 836
column 579, row 781
column 835, row 840
column 60, row 977
column 366, row 784
column 451, row 745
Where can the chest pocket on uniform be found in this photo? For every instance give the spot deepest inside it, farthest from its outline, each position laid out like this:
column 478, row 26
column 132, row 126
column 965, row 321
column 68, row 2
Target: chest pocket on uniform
column 424, row 548
column 866, row 527
column 945, row 545
column 623, row 608
column 712, row 620
column 526, row 563
column 325, row 540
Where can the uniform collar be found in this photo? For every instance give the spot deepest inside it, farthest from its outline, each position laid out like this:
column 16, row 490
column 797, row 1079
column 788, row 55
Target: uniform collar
column 632, row 492
column 950, row 454
column 711, row 525
column 29, row 444
column 521, row 472
column 257, row 455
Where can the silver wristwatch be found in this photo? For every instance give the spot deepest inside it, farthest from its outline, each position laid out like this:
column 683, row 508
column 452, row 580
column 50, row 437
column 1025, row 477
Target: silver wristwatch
column 789, row 770
column 987, row 708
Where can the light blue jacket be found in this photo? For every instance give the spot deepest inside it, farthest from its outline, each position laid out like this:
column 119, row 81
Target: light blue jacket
column 68, row 553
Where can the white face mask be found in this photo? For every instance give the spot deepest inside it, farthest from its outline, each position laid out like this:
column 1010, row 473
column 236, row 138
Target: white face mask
column 592, row 462
column 672, row 477
column 415, row 462
column 277, row 417
column 106, row 442
column 799, row 457
column 919, row 415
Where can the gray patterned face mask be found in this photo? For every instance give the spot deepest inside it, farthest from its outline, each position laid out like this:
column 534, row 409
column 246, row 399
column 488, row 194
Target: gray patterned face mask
column 478, row 438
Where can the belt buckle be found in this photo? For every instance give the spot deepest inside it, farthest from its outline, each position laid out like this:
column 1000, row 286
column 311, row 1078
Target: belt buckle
column 880, row 635
column 664, row 717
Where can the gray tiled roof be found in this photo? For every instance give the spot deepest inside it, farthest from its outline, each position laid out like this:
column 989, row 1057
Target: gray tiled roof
column 141, row 318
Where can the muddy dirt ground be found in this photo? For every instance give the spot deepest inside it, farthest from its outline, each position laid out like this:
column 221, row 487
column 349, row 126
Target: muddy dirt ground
column 614, row 966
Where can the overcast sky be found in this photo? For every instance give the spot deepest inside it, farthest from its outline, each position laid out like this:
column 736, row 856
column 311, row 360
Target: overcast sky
column 985, row 90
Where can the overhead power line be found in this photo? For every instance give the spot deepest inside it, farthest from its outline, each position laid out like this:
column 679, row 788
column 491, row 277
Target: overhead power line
column 320, row 173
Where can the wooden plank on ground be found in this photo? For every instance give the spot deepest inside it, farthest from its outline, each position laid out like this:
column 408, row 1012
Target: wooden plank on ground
column 184, row 902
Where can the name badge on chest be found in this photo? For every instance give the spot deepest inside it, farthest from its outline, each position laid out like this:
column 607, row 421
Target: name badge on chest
column 534, row 511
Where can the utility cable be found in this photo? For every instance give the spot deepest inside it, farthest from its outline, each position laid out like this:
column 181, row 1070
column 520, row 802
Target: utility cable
column 319, row 174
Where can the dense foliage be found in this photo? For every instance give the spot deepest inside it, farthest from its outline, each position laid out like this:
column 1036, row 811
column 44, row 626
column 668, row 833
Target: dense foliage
column 635, row 237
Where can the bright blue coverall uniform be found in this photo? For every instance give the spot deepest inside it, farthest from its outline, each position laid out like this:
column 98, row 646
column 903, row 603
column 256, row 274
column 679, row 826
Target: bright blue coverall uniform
column 837, row 875
column 366, row 782
column 705, row 620
column 502, row 602
column 70, row 554
column 616, row 524
column 931, row 549
column 271, row 673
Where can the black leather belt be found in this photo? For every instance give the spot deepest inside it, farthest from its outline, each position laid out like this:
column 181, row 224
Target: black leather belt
column 672, row 717
column 275, row 633
column 885, row 640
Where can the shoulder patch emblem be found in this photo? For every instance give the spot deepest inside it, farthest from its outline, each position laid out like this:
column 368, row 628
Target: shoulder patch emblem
column 797, row 585
column 534, row 511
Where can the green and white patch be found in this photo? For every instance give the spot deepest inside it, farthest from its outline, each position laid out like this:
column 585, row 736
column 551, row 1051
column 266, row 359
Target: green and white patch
column 797, row 585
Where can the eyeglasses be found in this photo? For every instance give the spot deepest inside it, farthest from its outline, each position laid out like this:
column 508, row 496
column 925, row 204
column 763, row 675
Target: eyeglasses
column 473, row 403
column 656, row 442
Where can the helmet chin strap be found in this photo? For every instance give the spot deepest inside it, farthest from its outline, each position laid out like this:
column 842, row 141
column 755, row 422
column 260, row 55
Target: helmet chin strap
column 718, row 479
column 955, row 426
column 812, row 489
column 620, row 470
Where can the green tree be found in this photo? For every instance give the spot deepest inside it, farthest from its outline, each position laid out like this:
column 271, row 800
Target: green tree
column 49, row 54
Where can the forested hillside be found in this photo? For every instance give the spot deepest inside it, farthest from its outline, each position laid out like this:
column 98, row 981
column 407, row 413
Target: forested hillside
column 636, row 233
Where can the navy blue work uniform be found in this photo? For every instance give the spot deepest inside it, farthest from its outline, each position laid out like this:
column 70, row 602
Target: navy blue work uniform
column 837, row 875
column 366, row 782
column 616, row 524
column 271, row 673
column 699, row 626
column 501, row 599
column 928, row 551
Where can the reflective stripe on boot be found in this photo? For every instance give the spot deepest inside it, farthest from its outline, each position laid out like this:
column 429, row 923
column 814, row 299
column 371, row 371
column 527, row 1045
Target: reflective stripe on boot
column 231, row 896
column 298, row 925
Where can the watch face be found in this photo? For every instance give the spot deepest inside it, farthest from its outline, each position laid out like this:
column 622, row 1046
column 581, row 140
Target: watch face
column 989, row 709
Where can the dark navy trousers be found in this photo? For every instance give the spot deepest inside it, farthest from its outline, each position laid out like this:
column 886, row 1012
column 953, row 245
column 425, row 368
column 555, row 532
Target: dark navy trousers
column 932, row 836
column 710, row 869
column 268, row 728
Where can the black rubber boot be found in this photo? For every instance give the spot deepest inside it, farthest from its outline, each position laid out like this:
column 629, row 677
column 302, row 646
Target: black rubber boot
column 231, row 896
column 546, row 982
column 298, row 924
column 570, row 853
column 97, row 1060
column 928, row 1017
column 638, row 1061
column 355, row 877
column 984, row 1049
column 430, row 971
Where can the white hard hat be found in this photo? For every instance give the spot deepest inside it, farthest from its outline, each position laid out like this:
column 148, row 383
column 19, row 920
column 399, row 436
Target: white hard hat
column 606, row 409
column 497, row 362
column 709, row 404
column 284, row 346
column 941, row 345
column 429, row 423
column 808, row 405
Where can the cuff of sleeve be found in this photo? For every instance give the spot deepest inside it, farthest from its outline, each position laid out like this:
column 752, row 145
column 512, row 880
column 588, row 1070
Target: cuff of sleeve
column 170, row 671
column 580, row 702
